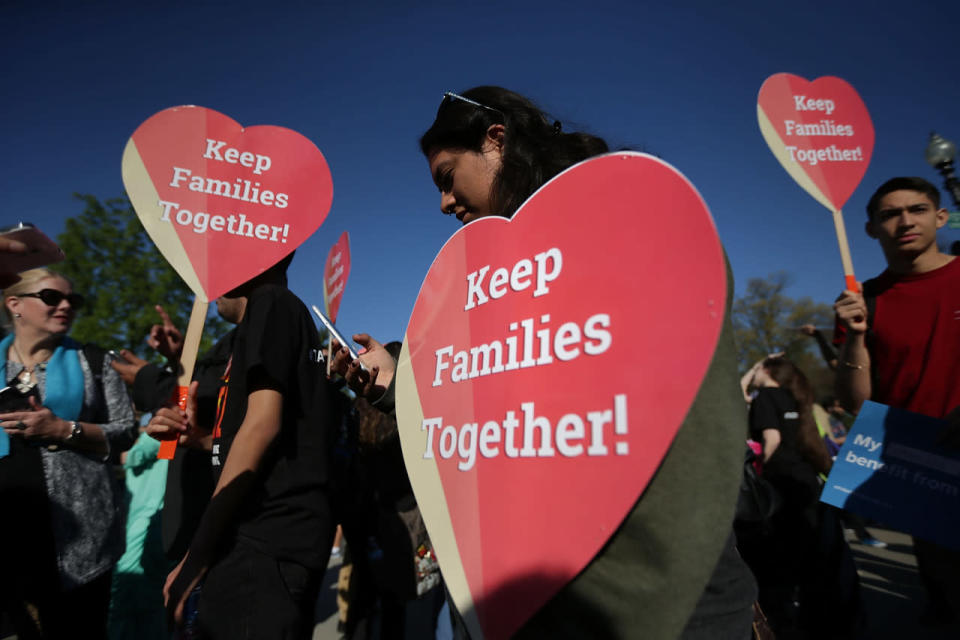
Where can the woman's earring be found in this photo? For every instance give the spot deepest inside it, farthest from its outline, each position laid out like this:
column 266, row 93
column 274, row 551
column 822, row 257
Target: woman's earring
column 18, row 315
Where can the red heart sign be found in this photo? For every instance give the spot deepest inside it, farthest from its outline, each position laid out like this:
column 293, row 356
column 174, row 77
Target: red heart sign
column 335, row 274
column 548, row 364
column 820, row 132
column 223, row 203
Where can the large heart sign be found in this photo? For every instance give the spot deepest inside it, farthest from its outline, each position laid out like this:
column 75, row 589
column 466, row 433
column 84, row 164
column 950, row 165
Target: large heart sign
column 223, row 203
column 820, row 132
column 549, row 361
column 335, row 274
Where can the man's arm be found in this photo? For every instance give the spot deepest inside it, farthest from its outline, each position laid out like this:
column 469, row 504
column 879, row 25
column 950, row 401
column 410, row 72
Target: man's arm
column 260, row 427
column 852, row 386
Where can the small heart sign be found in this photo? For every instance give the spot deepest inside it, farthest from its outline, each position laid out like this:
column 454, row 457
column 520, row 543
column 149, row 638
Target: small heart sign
column 223, row 203
column 335, row 274
column 820, row 132
column 549, row 361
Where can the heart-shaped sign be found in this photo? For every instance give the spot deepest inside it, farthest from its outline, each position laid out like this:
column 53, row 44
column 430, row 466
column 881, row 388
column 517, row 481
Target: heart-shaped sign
column 548, row 364
column 223, row 203
column 335, row 274
column 820, row 132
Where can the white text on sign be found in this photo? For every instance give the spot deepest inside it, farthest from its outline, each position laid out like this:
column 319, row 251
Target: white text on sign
column 236, row 225
column 517, row 351
column 825, row 127
column 572, row 436
column 529, row 347
column 241, row 189
column 549, row 264
column 259, row 163
column 899, row 471
column 530, row 342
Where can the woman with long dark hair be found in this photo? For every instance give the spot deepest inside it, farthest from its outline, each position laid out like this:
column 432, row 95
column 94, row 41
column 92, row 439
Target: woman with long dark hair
column 804, row 569
column 670, row 570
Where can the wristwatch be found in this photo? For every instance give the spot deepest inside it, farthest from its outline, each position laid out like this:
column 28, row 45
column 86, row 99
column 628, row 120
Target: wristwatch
column 75, row 432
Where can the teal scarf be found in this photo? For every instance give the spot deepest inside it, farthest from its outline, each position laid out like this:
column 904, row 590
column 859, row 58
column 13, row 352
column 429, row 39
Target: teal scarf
column 64, row 382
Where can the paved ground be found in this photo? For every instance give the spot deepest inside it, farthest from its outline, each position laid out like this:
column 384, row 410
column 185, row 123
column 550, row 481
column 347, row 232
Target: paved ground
column 326, row 610
column 892, row 594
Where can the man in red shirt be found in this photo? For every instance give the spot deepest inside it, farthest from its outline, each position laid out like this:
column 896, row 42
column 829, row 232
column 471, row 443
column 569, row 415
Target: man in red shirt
column 909, row 355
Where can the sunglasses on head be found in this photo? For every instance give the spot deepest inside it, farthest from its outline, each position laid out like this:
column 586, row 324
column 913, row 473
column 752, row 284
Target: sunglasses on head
column 52, row 297
column 453, row 97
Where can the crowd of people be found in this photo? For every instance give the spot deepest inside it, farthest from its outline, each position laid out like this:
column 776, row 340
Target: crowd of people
column 232, row 537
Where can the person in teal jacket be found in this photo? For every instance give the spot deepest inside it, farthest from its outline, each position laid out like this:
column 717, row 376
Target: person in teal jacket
column 136, row 599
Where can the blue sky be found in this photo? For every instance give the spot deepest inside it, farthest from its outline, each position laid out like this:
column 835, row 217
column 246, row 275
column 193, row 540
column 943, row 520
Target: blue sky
column 363, row 81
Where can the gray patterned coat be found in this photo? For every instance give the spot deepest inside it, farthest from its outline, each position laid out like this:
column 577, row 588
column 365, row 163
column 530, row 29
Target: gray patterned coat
column 85, row 494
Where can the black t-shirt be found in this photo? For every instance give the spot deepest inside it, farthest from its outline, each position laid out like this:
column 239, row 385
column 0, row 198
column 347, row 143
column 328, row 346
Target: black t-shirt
column 189, row 484
column 775, row 408
column 287, row 514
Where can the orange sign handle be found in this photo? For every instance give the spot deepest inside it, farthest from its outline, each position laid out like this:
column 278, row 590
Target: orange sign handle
column 169, row 447
column 849, row 278
column 191, row 344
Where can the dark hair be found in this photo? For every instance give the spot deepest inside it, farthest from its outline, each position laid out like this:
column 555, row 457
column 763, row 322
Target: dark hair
column 277, row 274
column 534, row 148
column 902, row 184
column 394, row 348
column 809, row 442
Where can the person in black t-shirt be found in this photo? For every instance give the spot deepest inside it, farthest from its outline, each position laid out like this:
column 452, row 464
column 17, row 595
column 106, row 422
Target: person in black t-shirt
column 804, row 558
column 264, row 539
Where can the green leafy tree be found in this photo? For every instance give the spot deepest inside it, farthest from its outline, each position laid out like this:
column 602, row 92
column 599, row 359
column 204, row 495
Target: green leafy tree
column 766, row 321
column 112, row 261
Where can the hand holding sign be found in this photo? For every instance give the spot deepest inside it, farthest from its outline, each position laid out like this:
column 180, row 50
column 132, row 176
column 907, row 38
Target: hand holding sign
column 822, row 134
column 222, row 203
column 540, row 387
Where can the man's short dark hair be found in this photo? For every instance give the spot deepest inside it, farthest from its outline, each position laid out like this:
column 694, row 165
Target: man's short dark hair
column 277, row 274
column 902, row 184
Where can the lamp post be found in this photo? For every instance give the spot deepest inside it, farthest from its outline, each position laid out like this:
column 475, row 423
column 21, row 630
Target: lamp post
column 940, row 153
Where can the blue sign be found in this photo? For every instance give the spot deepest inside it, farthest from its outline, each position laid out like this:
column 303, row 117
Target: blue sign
column 892, row 470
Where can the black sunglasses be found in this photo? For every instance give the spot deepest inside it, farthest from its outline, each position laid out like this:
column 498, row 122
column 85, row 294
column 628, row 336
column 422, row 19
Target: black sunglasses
column 52, row 297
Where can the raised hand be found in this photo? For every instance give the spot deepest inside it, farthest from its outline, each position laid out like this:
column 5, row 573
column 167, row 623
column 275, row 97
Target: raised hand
column 166, row 338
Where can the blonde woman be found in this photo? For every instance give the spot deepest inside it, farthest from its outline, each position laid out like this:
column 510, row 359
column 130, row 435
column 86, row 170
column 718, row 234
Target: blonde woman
column 62, row 418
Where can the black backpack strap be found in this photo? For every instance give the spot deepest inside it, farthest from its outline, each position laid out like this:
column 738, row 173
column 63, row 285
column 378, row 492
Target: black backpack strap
column 95, row 357
column 871, row 311
column 871, row 302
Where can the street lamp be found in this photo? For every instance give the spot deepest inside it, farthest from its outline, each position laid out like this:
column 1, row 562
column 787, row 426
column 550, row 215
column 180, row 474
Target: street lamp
column 940, row 153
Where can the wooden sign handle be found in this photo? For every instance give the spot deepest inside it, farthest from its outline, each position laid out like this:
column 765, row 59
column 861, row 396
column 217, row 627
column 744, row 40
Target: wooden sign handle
column 851, row 280
column 188, row 359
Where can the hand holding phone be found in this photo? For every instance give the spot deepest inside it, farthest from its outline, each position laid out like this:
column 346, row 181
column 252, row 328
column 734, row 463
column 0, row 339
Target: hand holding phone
column 337, row 335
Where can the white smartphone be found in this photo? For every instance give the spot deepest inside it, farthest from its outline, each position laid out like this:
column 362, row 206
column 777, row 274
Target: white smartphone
column 41, row 250
column 337, row 335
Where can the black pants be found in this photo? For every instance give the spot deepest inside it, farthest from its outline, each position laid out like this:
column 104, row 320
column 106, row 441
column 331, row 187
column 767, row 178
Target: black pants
column 806, row 559
column 55, row 614
column 939, row 569
column 251, row 595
